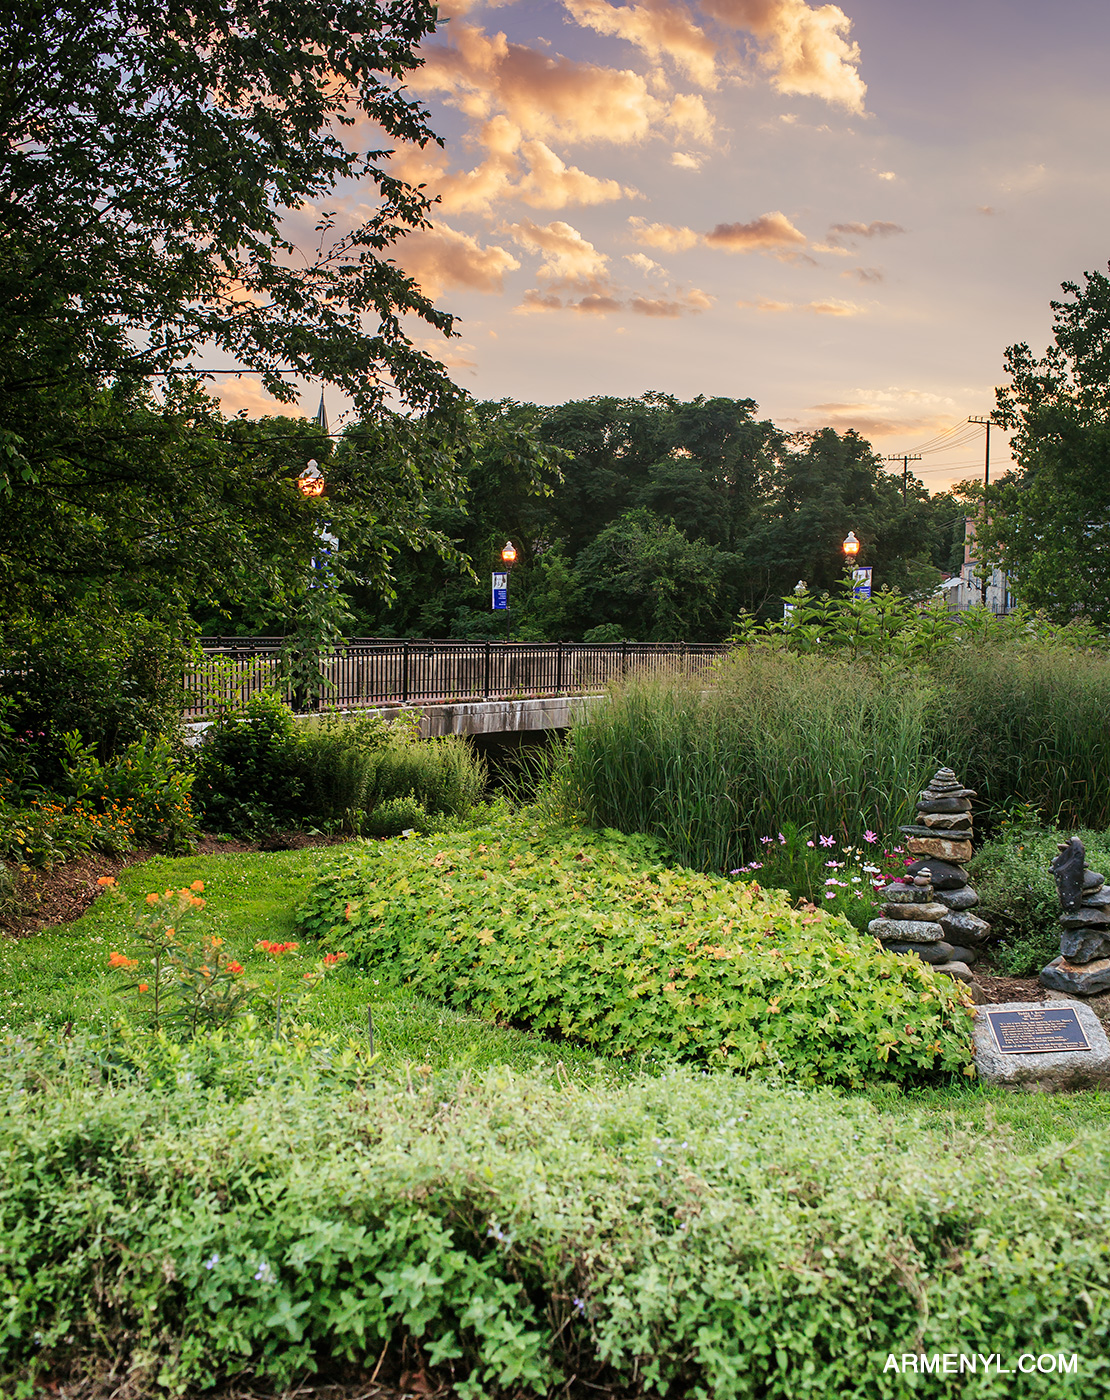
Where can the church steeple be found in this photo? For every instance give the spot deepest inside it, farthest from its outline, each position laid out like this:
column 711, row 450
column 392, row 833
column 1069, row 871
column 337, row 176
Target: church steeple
column 321, row 419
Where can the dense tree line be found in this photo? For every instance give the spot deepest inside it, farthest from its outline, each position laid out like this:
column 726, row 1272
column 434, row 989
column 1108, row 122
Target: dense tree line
column 655, row 519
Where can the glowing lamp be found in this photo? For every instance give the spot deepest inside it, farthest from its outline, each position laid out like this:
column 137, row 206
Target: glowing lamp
column 850, row 546
column 311, row 480
column 508, row 554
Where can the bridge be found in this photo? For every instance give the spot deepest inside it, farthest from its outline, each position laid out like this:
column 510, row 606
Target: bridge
column 458, row 687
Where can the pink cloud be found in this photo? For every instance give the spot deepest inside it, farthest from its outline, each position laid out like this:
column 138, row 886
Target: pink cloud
column 441, row 257
column 768, row 231
column 806, row 51
column 659, row 28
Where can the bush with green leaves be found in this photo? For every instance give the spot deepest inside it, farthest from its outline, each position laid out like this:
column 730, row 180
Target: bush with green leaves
column 249, row 773
column 235, row 1210
column 89, row 663
column 260, row 769
column 149, row 778
column 1018, row 896
column 594, row 938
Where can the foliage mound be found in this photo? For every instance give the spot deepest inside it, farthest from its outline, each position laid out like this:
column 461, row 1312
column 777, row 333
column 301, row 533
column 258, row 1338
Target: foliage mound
column 240, row 1209
column 594, row 938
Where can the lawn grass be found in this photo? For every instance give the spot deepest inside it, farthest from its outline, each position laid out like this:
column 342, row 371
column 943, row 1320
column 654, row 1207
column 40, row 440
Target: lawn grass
column 60, row 975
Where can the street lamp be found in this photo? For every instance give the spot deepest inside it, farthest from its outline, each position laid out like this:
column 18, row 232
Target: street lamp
column 508, row 558
column 311, row 481
column 850, row 547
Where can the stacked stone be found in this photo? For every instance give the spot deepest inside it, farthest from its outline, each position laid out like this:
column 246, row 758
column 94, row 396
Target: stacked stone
column 928, row 911
column 1083, row 967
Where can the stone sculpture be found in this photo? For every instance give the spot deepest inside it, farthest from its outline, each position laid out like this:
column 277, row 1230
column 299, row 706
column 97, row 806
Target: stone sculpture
column 928, row 910
column 1083, row 967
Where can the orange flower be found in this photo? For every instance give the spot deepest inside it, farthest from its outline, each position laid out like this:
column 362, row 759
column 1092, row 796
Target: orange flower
column 330, row 958
column 152, row 899
column 197, row 885
column 119, row 960
column 105, row 881
column 144, row 987
column 235, row 968
column 170, row 931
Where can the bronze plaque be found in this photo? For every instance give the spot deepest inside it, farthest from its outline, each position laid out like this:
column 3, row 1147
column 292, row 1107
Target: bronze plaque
column 1040, row 1031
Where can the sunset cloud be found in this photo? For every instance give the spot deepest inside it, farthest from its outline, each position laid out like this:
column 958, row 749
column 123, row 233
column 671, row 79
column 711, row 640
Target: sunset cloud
column 546, row 97
column 243, row 393
column 552, row 184
column 878, row 228
column 605, row 302
column 513, row 169
column 768, row 231
column 805, row 51
column 568, row 258
column 660, row 28
column 442, row 257
column 666, row 237
column 830, row 306
column 682, row 305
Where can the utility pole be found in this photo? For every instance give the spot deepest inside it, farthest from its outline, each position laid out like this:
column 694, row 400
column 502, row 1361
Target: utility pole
column 986, row 423
column 906, row 458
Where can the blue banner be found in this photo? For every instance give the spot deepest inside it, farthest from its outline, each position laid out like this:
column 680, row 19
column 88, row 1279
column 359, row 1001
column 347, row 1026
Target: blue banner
column 500, row 591
column 861, row 582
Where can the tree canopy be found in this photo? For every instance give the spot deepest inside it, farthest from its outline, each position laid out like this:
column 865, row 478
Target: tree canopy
column 1048, row 522
column 159, row 165
column 661, row 519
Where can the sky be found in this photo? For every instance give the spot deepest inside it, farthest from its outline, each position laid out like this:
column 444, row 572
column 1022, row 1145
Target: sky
column 843, row 213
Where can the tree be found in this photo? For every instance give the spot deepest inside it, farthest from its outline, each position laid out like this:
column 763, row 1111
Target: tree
column 1048, row 522
column 153, row 158
column 643, row 575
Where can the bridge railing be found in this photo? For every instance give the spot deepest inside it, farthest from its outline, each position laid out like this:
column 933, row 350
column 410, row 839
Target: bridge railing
column 369, row 672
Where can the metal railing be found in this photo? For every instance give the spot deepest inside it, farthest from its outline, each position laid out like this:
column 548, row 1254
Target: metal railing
column 368, row 672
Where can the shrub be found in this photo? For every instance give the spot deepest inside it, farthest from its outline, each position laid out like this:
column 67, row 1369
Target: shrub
column 89, row 664
column 395, row 816
column 147, row 779
column 591, row 937
column 259, row 769
column 45, row 834
column 1018, row 895
column 686, row 1235
column 249, row 773
column 444, row 775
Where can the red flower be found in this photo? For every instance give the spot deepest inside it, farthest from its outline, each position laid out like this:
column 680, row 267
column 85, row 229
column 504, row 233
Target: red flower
column 235, row 968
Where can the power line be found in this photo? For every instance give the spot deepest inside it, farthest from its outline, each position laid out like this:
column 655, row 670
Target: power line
column 906, row 458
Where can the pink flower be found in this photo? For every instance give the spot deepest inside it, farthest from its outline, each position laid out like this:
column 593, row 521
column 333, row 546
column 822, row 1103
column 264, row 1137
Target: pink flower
column 827, row 840
column 830, row 894
column 809, row 843
column 782, row 839
column 870, row 837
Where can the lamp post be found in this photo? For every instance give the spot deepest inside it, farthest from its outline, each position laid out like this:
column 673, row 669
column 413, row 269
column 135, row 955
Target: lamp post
column 508, row 558
column 860, row 579
column 307, row 656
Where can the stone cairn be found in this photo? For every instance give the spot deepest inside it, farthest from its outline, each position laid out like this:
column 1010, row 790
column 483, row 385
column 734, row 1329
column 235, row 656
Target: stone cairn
column 927, row 911
column 1083, row 967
